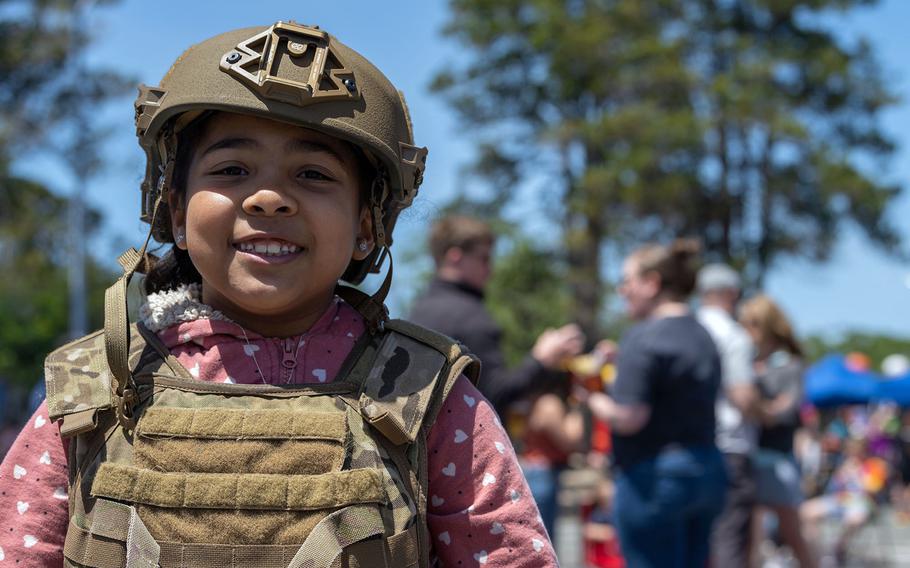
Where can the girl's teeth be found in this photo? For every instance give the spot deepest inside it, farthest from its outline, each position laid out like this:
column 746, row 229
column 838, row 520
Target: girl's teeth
column 269, row 248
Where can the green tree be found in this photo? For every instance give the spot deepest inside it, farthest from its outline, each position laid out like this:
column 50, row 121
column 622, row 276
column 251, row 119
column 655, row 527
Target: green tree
column 741, row 122
column 876, row 346
column 42, row 84
column 46, row 95
column 33, row 300
column 526, row 295
column 789, row 112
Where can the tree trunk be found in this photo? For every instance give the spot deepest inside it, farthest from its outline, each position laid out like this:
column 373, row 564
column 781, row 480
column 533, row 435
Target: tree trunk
column 763, row 251
column 583, row 234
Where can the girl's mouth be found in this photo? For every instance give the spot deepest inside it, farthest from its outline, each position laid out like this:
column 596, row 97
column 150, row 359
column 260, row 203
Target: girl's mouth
column 268, row 247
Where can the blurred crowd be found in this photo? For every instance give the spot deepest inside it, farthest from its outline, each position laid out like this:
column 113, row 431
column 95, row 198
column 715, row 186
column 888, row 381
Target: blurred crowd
column 808, row 466
column 694, row 426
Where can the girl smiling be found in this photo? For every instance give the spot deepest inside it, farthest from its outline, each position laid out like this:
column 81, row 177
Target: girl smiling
column 263, row 412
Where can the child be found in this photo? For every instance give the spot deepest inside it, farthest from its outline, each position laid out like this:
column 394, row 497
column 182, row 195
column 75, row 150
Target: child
column 851, row 495
column 260, row 414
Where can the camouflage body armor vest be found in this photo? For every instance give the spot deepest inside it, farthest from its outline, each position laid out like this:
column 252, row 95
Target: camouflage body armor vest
column 322, row 475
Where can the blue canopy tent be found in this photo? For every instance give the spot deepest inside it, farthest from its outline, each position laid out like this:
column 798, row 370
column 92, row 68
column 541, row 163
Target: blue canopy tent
column 831, row 382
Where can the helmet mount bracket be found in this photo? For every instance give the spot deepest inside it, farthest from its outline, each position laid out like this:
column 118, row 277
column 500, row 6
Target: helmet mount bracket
column 292, row 63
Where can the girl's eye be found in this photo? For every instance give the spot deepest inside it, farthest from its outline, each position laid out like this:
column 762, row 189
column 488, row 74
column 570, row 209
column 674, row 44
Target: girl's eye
column 314, row 175
column 230, row 171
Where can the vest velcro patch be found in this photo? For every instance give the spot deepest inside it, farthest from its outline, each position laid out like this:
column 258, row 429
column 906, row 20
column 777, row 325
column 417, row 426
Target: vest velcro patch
column 238, row 491
column 235, row 424
column 400, row 386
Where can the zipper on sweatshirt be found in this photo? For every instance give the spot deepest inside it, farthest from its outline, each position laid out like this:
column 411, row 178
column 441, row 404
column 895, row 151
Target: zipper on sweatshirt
column 289, row 359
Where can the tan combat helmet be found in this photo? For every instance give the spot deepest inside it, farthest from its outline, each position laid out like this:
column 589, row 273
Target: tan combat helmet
column 296, row 74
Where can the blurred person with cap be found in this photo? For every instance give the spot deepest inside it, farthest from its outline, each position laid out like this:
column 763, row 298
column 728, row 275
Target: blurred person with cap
column 719, row 289
column 453, row 304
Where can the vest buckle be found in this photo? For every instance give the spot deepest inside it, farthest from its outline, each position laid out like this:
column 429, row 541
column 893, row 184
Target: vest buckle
column 125, row 408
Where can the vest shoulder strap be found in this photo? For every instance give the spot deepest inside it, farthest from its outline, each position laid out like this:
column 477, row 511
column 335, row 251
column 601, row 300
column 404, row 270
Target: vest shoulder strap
column 78, row 378
column 412, row 373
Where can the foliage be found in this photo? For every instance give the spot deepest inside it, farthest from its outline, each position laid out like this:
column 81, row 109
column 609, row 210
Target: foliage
column 33, row 299
column 43, row 86
column 741, row 122
column 48, row 102
column 873, row 345
column 526, row 295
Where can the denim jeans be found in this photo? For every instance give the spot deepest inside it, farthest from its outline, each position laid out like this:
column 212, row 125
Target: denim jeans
column 665, row 507
column 544, row 484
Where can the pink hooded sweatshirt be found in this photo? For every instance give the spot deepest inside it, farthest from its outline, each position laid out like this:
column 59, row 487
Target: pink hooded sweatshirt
column 480, row 511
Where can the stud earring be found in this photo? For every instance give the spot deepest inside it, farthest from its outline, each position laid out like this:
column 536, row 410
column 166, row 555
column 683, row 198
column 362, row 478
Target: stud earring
column 362, row 245
column 178, row 238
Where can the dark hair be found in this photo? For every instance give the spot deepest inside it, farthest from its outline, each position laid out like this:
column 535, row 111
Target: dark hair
column 677, row 265
column 176, row 267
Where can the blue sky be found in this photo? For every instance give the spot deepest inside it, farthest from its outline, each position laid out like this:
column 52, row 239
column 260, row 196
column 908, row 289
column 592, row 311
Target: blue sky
column 861, row 288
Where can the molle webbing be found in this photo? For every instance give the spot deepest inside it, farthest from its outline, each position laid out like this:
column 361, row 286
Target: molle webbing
column 113, row 522
column 107, row 549
column 336, row 532
column 239, row 424
column 88, row 549
column 238, row 491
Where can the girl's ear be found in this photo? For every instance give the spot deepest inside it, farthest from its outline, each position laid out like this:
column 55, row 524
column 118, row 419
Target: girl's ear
column 363, row 244
column 178, row 218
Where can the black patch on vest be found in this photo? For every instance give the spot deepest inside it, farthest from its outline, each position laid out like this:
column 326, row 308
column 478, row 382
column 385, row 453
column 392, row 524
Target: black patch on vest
column 394, row 368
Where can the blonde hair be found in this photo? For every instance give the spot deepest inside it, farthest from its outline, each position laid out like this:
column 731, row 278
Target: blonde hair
column 677, row 265
column 458, row 231
column 762, row 313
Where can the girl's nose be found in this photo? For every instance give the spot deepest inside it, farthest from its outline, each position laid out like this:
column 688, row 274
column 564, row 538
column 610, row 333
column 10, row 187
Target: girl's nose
column 269, row 202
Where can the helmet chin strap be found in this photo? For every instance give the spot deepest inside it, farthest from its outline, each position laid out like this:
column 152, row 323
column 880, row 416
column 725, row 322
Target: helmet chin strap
column 372, row 308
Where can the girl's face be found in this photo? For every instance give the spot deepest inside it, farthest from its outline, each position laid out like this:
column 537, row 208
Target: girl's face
column 271, row 218
column 639, row 290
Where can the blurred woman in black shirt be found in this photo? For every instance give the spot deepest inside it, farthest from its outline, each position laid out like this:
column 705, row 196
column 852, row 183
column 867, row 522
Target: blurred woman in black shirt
column 670, row 478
